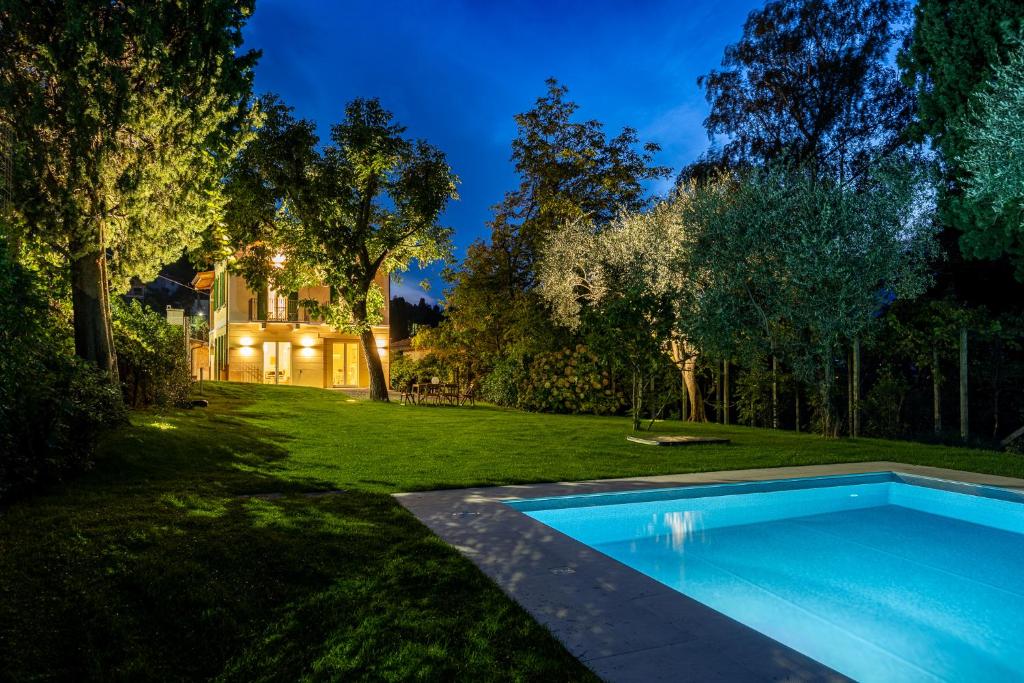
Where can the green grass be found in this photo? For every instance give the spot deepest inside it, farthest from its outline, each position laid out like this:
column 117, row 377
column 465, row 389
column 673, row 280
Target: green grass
column 169, row 561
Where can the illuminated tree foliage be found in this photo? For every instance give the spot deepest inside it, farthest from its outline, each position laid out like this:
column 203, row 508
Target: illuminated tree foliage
column 568, row 169
column 126, row 115
column 368, row 203
column 994, row 160
column 623, row 285
column 955, row 46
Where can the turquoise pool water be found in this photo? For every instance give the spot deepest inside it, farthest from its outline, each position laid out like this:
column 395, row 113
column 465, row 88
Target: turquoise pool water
column 882, row 577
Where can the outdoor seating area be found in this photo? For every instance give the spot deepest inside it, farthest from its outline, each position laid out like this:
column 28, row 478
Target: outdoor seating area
column 438, row 393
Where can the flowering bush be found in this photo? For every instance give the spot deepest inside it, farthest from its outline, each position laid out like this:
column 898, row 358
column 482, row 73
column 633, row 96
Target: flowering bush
column 570, row 381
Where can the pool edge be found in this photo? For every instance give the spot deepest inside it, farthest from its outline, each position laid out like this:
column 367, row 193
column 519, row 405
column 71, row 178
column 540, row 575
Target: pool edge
column 623, row 625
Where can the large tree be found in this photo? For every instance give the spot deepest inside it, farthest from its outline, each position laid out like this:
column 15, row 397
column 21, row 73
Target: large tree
column 954, row 48
column 623, row 284
column 365, row 204
column 994, row 158
column 810, row 83
column 568, row 169
column 125, row 115
column 796, row 265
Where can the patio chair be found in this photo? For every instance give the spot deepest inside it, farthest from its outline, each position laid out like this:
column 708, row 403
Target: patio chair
column 408, row 393
column 469, row 396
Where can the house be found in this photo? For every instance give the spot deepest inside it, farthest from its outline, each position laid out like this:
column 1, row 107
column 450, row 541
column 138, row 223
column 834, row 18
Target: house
column 268, row 337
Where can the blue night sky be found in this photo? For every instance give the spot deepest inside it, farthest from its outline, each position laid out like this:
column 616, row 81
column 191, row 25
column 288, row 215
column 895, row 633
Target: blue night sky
column 456, row 72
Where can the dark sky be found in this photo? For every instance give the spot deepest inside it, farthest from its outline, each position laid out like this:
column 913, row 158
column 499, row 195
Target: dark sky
column 456, row 72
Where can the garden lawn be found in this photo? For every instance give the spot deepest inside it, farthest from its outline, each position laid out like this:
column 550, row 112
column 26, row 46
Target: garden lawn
column 205, row 543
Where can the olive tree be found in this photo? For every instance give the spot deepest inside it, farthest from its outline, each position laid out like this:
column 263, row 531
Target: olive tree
column 778, row 259
column 622, row 282
column 995, row 158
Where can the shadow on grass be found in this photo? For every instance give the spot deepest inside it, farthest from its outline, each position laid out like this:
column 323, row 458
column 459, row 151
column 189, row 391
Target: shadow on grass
column 160, row 564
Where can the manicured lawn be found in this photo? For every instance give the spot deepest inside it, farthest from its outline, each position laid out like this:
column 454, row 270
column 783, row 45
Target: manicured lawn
column 169, row 561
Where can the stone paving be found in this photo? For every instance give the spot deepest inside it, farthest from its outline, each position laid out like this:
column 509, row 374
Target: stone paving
column 623, row 625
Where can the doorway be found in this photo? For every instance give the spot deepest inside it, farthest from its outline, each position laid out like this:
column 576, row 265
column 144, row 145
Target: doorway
column 346, row 364
column 277, row 362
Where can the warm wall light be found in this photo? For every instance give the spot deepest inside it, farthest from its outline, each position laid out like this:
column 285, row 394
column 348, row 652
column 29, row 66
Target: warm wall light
column 246, row 351
column 381, row 343
column 308, row 352
column 307, row 341
column 245, row 341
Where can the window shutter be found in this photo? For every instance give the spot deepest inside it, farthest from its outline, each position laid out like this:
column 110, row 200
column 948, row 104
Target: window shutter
column 261, row 303
column 293, row 306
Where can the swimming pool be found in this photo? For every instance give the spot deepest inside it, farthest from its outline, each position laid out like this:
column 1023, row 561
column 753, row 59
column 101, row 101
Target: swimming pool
column 883, row 577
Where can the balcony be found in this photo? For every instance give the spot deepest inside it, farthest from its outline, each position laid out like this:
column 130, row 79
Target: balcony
column 278, row 313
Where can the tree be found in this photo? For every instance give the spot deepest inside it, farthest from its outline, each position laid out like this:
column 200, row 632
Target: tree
column 127, row 117
column 955, row 46
column 368, row 203
column 994, row 158
column 568, row 169
column 782, row 261
column 621, row 282
column 809, row 84
column 407, row 318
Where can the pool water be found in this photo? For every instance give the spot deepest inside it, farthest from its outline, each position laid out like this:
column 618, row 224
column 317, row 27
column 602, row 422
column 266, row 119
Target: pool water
column 882, row 577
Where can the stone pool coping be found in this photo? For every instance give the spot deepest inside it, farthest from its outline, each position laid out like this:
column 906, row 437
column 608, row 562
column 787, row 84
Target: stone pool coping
column 621, row 624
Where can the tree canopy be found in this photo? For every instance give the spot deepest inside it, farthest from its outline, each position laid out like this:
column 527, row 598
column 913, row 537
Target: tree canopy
column 994, row 158
column 366, row 204
column 954, row 48
column 781, row 262
column 126, row 118
column 810, row 84
column 568, row 169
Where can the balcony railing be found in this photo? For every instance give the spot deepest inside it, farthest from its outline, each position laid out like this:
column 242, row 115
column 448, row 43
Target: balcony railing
column 289, row 312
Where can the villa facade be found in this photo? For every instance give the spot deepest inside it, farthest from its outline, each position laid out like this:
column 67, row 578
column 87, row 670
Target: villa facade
column 268, row 337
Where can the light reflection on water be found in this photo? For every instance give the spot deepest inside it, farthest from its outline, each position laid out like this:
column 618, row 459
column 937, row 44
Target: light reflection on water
column 671, row 529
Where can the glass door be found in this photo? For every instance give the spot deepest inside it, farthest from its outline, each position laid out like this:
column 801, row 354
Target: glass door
column 346, row 364
column 277, row 362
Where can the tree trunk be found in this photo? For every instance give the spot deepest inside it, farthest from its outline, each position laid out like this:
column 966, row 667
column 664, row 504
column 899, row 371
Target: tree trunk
column 684, row 395
column 796, row 401
column 637, row 401
column 90, row 302
column 695, row 397
column 686, row 359
column 718, row 393
column 849, row 393
column 775, row 392
column 964, row 427
column 826, row 417
column 936, row 395
column 725, row 392
column 856, row 388
column 378, row 383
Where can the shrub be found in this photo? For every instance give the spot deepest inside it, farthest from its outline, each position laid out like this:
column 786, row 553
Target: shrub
column 502, row 385
column 151, row 357
column 884, row 405
column 571, row 381
column 53, row 406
